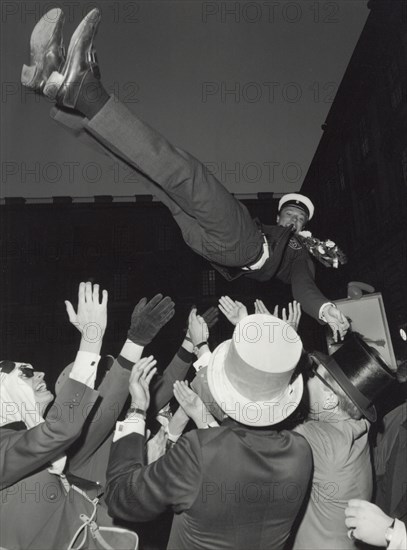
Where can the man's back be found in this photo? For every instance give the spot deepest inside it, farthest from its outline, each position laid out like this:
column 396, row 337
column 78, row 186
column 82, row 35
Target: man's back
column 342, row 471
column 251, row 487
column 230, row 487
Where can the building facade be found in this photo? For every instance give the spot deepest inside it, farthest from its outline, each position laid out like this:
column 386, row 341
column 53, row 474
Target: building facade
column 358, row 176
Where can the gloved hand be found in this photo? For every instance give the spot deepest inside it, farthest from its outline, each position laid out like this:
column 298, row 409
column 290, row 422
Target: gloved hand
column 211, row 316
column 149, row 317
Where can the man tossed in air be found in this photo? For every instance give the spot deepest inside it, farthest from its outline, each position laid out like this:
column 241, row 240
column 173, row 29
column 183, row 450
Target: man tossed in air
column 213, row 223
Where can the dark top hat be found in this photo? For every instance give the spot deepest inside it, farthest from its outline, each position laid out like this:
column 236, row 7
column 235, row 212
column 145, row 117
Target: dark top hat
column 360, row 371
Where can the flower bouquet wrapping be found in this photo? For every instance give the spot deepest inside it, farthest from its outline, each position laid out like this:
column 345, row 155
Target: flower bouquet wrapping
column 326, row 252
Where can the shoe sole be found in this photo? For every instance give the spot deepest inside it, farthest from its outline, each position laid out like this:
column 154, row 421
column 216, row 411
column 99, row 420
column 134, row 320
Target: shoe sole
column 56, row 79
column 33, row 76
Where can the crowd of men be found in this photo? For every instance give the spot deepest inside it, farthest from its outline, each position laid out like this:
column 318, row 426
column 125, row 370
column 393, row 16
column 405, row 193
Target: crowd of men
column 281, row 457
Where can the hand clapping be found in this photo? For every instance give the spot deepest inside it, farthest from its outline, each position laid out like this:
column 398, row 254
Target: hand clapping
column 198, row 330
column 140, row 379
column 232, row 309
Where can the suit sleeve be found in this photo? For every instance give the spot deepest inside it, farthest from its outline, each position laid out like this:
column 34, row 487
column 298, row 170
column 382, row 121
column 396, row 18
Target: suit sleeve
column 136, row 492
column 162, row 388
column 23, row 452
column 113, row 392
column 387, row 438
column 390, row 457
column 303, row 285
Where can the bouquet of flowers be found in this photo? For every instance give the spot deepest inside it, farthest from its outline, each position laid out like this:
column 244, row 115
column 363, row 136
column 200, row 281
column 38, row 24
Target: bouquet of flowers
column 326, row 252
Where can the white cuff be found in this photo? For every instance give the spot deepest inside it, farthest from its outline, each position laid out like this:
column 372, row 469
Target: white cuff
column 399, row 536
column 85, row 368
column 212, row 424
column 321, row 309
column 264, row 257
column 203, row 361
column 131, row 351
column 171, row 437
column 132, row 425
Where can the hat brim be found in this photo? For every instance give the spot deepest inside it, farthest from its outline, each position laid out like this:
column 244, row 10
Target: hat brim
column 298, row 205
column 299, row 201
column 358, row 399
column 242, row 409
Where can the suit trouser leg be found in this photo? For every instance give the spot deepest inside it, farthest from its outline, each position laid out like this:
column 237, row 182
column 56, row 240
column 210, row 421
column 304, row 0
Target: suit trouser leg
column 214, row 224
column 75, row 124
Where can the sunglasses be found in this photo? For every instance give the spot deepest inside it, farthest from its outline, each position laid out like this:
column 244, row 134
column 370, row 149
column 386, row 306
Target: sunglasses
column 28, row 372
column 7, row 366
column 313, row 373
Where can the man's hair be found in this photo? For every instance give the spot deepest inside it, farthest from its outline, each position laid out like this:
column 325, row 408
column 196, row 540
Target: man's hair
column 345, row 404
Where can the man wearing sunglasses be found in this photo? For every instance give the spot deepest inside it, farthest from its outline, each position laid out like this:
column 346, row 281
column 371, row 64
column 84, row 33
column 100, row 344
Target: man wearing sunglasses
column 340, row 392
column 40, row 449
column 35, row 379
column 34, row 441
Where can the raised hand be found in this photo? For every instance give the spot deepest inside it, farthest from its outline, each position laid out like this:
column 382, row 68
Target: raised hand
column 149, row 317
column 294, row 314
column 140, row 379
column 198, row 330
column 232, row 309
column 211, row 316
column 191, row 403
column 259, row 307
column 91, row 317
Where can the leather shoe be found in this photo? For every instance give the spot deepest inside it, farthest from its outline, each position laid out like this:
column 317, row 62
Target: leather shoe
column 47, row 50
column 65, row 86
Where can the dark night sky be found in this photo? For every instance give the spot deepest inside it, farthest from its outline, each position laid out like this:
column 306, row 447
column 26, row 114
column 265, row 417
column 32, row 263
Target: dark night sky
column 172, row 62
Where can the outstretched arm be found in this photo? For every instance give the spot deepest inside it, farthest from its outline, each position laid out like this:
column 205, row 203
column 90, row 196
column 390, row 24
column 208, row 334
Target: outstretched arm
column 197, row 335
column 161, row 388
column 134, row 491
column 312, row 300
column 304, row 288
column 147, row 319
column 23, row 452
column 85, row 461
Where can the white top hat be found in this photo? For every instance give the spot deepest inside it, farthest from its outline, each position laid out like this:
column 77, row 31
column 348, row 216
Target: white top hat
column 249, row 375
column 299, row 201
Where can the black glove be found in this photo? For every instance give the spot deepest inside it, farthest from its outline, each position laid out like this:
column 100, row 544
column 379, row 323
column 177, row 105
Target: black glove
column 211, row 316
column 148, row 318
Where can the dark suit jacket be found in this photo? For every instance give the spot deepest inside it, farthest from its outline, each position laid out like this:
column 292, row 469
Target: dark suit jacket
column 296, row 268
column 30, row 495
column 35, row 510
column 390, row 456
column 89, row 456
column 230, row 487
column 289, row 262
